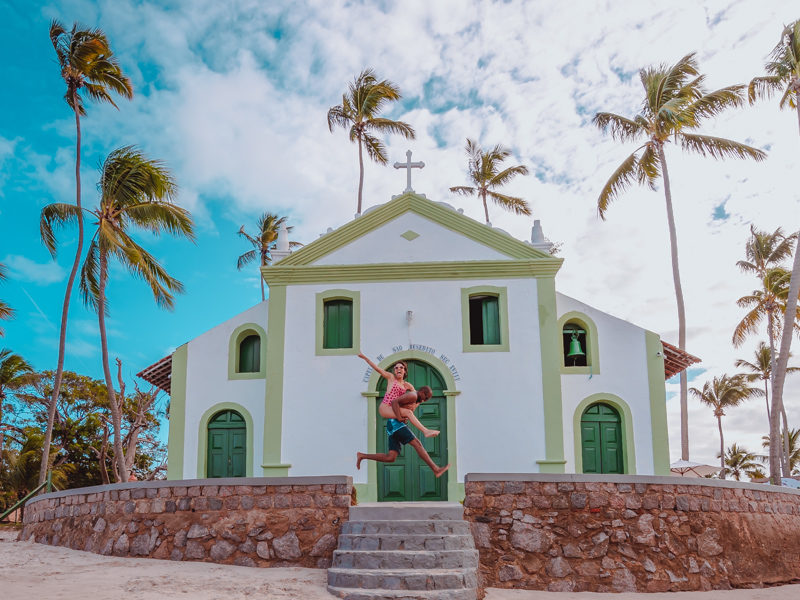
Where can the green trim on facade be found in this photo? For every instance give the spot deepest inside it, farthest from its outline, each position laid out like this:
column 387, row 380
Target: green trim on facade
column 177, row 413
column 629, row 457
column 281, row 274
column 236, row 338
column 455, row 490
column 593, row 347
column 409, row 235
column 658, row 403
column 409, row 202
column 550, row 343
column 202, row 436
column 319, row 315
column 271, row 463
column 502, row 305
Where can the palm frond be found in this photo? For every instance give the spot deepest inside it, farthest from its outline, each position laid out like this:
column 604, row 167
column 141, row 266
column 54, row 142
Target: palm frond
column 511, row 203
column 246, row 259
column 622, row 178
column 90, row 278
column 55, row 216
column 143, row 265
column 649, row 167
column 338, row 117
column 621, row 128
column 390, row 126
column 161, row 216
column 713, row 103
column 506, row 175
column 718, row 148
column 375, row 149
column 764, row 87
column 463, row 190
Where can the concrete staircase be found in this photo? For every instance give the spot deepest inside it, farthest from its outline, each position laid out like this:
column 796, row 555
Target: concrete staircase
column 405, row 551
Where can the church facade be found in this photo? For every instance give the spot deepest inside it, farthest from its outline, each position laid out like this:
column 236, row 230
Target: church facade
column 525, row 379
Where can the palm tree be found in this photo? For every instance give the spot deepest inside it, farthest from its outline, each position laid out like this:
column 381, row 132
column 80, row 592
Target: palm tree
column 14, row 373
column 764, row 250
column 675, row 103
column 761, row 369
column 725, row 391
column 87, row 65
column 268, row 227
column 484, row 171
column 791, row 440
column 134, row 192
column 6, row 312
column 783, row 73
column 364, row 100
column 738, row 461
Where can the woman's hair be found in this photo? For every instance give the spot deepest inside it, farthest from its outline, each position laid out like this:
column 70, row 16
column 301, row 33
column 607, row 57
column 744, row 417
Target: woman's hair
column 405, row 367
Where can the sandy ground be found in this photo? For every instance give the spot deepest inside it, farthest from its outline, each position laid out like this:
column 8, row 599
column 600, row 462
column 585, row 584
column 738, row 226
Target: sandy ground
column 31, row 571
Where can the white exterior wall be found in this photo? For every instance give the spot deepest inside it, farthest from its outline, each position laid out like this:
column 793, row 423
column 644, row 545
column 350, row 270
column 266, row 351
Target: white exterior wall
column 499, row 413
column 386, row 244
column 623, row 372
column 207, row 384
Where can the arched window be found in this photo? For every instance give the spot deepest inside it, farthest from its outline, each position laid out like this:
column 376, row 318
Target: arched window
column 250, row 354
column 576, row 351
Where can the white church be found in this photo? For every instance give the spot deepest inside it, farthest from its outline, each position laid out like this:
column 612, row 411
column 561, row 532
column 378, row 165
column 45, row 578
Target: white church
column 525, row 379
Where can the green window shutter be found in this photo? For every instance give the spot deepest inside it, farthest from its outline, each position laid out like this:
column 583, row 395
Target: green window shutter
column 250, row 354
column 338, row 324
column 491, row 320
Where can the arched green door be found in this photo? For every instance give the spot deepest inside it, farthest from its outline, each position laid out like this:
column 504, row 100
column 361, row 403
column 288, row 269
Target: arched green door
column 409, row 478
column 601, row 440
column 227, row 445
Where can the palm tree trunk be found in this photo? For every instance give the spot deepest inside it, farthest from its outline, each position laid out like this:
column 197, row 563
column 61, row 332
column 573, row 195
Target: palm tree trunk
column 115, row 406
column 766, row 399
column 360, row 174
column 62, row 336
column 676, row 278
column 779, row 371
column 263, row 297
column 721, row 448
column 785, row 467
column 485, row 208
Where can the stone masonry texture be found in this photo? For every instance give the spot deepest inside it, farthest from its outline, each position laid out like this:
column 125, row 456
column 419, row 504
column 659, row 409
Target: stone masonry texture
column 627, row 533
column 264, row 523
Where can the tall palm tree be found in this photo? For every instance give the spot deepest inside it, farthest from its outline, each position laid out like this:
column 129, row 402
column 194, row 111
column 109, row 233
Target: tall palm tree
column 87, row 66
column 6, row 312
column 15, row 372
column 675, row 103
column 725, row 391
column 365, row 98
column 791, row 440
column 484, row 171
column 783, row 74
column 738, row 461
column 135, row 192
column 268, row 227
column 761, row 369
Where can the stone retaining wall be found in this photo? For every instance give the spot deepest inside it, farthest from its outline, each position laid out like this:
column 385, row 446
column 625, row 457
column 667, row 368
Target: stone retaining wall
column 260, row 522
column 629, row 533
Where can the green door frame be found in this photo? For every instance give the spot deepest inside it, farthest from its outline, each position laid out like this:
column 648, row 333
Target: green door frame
column 202, row 437
column 368, row 492
column 624, row 411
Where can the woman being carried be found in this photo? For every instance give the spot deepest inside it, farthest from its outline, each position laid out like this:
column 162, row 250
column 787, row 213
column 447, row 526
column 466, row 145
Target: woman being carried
column 401, row 397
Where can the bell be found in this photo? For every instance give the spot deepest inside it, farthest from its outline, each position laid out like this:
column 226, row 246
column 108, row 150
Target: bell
column 575, row 347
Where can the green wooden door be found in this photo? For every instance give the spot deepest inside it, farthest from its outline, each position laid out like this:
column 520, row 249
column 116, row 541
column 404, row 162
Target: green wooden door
column 601, row 440
column 227, row 445
column 409, row 478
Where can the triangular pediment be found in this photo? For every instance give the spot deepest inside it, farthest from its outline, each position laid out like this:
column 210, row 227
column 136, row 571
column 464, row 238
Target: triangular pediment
column 411, row 228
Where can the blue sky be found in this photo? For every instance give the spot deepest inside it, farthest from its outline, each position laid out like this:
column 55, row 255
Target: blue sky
column 233, row 97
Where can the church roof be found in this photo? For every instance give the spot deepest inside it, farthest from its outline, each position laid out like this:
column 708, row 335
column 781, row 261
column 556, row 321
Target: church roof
column 676, row 360
column 438, row 212
column 158, row 374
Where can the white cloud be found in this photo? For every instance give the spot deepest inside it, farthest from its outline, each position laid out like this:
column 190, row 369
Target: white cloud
column 25, row 269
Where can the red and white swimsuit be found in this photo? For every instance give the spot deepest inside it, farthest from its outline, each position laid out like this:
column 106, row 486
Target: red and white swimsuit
column 397, row 390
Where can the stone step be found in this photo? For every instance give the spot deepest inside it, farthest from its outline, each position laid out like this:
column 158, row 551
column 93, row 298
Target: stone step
column 407, row 527
column 413, row 542
column 407, row 511
column 403, row 579
column 359, row 594
column 401, row 559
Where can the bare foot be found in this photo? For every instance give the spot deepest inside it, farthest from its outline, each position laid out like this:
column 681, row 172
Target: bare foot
column 360, row 457
column 438, row 473
column 431, row 433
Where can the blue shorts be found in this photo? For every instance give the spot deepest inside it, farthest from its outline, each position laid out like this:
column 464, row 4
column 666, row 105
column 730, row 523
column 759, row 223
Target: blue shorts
column 399, row 435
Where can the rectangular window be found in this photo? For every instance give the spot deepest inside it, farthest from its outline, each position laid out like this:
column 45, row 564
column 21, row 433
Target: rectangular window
column 249, row 354
column 484, row 320
column 337, row 324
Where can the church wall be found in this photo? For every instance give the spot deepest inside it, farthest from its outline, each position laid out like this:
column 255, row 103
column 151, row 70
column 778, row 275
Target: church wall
column 387, row 244
column 207, row 385
column 622, row 373
column 325, row 415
